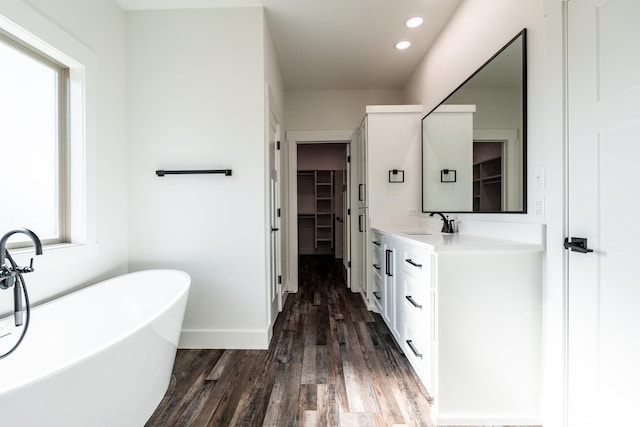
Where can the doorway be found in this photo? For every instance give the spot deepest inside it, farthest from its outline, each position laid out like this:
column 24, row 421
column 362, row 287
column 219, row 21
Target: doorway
column 326, row 234
column 321, row 192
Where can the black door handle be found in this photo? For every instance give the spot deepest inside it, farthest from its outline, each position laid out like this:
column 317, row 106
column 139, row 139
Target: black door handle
column 275, row 229
column 577, row 244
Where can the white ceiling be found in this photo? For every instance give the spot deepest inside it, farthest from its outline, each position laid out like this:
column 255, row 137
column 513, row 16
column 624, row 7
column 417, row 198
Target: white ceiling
column 339, row 44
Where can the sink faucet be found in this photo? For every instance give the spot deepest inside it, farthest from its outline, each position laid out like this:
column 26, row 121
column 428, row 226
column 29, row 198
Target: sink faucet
column 11, row 275
column 447, row 226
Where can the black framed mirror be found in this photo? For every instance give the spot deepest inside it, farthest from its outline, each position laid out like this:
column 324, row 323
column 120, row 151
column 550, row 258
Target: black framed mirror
column 474, row 143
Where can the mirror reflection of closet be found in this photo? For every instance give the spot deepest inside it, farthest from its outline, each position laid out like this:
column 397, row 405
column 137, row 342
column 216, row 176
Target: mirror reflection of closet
column 488, row 187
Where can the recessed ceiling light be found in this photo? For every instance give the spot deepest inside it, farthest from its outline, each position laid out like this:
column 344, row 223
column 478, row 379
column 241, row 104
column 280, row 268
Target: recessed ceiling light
column 414, row 22
column 404, row 44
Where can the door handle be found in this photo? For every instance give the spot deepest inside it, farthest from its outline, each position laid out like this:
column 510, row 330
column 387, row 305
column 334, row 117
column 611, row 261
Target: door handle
column 577, row 244
column 274, row 229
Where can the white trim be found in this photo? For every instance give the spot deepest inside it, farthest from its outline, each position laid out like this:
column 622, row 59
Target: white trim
column 293, row 139
column 28, row 25
column 241, row 339
column 498, row 421
column 455, row 108
column 393, row 109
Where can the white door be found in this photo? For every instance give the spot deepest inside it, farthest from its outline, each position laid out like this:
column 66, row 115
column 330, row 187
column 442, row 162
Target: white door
column 604, row 200
column 275, row 279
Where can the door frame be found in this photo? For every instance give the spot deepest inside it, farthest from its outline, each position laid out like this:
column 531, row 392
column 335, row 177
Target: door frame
column 274, row 248
column 293, row 139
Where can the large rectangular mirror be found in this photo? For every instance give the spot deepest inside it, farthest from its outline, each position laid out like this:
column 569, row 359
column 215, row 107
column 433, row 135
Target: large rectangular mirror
column 474, row 146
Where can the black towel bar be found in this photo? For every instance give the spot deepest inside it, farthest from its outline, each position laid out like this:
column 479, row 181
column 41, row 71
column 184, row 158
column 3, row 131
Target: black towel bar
column 160, row 172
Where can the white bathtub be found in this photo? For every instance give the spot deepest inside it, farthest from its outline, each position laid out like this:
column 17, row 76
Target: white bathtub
column 101, row 356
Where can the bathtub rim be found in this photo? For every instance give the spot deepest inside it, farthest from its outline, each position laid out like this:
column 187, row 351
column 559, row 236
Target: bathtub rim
column 68, row 363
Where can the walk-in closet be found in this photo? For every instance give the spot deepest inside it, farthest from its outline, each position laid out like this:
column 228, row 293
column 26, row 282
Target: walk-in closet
column 322, row 187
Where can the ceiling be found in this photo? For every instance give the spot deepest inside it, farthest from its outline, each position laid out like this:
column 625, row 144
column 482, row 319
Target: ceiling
column 339, row 44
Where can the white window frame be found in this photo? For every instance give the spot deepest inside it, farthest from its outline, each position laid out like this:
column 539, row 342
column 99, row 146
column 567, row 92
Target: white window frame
column 25, row 24
column 62, row 139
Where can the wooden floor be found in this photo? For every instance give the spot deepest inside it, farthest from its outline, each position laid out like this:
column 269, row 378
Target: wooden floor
column 330, row 363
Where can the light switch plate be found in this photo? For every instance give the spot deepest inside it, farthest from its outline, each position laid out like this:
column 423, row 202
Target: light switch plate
column 539, row 206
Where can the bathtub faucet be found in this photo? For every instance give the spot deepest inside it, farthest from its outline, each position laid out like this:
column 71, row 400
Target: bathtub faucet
column 11, row 275
column 3, row 243
column 8, row 273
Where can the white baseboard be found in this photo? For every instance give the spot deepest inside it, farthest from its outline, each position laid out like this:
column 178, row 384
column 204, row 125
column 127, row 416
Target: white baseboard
column 493, row 421
column 225, row 339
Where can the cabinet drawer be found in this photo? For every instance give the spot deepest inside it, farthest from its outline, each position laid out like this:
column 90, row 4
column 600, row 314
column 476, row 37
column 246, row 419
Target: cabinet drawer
column 416, row 297
column 378, row 293
column 417, row 263
column 418, row 349
column 377, row 261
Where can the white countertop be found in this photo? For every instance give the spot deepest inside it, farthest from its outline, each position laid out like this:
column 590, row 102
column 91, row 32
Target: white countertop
column 442, row 242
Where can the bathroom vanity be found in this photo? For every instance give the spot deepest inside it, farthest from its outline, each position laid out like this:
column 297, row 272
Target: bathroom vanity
column 466, row 311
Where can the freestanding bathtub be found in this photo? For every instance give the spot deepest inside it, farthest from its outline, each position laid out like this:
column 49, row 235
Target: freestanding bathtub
column 101, row 356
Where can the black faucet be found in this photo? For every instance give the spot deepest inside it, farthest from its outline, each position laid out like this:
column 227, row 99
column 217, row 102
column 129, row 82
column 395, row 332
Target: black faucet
column 447, row 226
column 3, row 242
column 11, row 275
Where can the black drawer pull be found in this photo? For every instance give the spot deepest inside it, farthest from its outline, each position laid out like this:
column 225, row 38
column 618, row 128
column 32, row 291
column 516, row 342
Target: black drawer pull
column 376, row 266
column 413, row 302
column 376, row 243
column 410, row 261
column 375, row 294
column 415, row 351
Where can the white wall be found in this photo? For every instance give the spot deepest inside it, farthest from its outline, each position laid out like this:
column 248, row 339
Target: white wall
column 197, row 100
column 333, row 109
column 478, row 29
column 99, row 28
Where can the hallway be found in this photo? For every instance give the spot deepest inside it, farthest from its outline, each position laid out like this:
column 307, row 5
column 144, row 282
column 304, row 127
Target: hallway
column 331, row 362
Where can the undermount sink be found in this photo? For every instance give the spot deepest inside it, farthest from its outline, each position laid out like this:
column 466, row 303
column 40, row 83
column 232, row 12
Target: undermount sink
column 417, row 233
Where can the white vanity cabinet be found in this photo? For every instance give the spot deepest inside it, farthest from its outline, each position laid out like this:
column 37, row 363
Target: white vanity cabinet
column 376, row 274
column 416, row 307
column 383, row 144
column 467, row 314
column 382, row 275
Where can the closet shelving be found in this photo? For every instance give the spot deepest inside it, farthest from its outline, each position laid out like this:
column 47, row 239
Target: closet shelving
column 316, row 211
column 487, row 185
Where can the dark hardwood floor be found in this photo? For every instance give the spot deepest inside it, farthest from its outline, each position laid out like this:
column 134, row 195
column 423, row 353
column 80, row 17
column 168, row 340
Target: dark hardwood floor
column 330, row 363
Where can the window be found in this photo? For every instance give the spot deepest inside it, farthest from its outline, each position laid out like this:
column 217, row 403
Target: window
column 33, row 142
